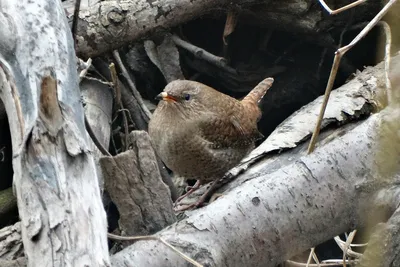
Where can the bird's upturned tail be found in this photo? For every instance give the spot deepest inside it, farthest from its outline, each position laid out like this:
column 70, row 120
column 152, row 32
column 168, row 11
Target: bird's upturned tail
column 255, row 95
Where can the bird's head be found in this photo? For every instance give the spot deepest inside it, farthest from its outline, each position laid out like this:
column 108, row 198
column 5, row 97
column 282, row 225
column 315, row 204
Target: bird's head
column 184, row 95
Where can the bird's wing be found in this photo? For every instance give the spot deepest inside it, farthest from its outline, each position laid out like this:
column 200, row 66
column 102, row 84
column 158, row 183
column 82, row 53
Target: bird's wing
column 227, row 131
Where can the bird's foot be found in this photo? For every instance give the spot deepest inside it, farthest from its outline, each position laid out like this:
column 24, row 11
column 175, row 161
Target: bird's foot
column 197, row 204
column 190, row 190
column 202, row 199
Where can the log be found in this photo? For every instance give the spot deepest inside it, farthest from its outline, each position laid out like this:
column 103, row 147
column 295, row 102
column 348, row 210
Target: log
column 305, row 202
column 293, row 198
column 62, row 218
column 123, row 22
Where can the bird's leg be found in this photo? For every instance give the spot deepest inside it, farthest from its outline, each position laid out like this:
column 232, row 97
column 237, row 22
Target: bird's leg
column 191, row 190
column 214, row 186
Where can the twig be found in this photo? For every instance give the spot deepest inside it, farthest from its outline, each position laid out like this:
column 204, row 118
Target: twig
column 125, row 127
column 87, row 125
column 310, row 257
column 98, row 80
column 75, row 20
column 151, row 237
column 135, row 92
column 128, row 113
column 337, row 263
column 114, row 79
column 117, row 89
column 338, row 55
column 388, row 45
column 350, row 252
column 336, row 11
column 347, row 246
column 94, row 138
column 83, row 73
column 203, row 54
column 114, row 145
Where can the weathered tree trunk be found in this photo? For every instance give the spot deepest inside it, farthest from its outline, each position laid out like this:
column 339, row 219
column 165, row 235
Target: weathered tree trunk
column 63, row 220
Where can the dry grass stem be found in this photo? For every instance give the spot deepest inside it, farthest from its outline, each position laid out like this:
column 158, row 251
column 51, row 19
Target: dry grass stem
column 337, row 11
column 338, row 55
column 151, row 237
column 135, row 92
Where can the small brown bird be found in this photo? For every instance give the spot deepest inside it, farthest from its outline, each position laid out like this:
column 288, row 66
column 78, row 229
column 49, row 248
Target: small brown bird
column 201, row 133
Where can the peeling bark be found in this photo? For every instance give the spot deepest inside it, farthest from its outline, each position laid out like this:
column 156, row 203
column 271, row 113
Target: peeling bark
column 293, row 198
column 62, row 217
column 11, row 243
column 98, row 102
column 303, row 203
column 133, row 181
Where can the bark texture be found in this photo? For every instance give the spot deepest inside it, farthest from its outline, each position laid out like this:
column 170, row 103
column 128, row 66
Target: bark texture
column 11, row 247
column 293, row 198
column 303, row 203
column 134, row 183
column 62, row 218
column 98, row 102
column 111, row 24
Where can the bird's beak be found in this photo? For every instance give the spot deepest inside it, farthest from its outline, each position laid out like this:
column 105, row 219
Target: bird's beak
column 164, row 96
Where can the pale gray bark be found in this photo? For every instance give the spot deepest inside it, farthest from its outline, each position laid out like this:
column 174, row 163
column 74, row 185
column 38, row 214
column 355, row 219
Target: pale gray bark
column 62, row 217
column 20, row 262
column 286, row 203
column 276, row 215
column 11, row 247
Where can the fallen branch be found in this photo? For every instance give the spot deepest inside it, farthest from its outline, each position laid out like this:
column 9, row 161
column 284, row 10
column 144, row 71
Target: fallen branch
column 122, row 23
column 297, row 204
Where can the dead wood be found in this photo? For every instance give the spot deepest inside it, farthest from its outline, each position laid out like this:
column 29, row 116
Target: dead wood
column 165, row 56
column 98, row 102
column 312, row 197
column 63, row 220
column 128, row 100
column 133, row 181
column 304, row 202
column 354, row 100
column 20, row 262
column 11, row 247
column 123, row 22
column 137, row 117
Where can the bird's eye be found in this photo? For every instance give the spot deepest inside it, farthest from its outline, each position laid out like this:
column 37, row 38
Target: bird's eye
column 186, row 97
